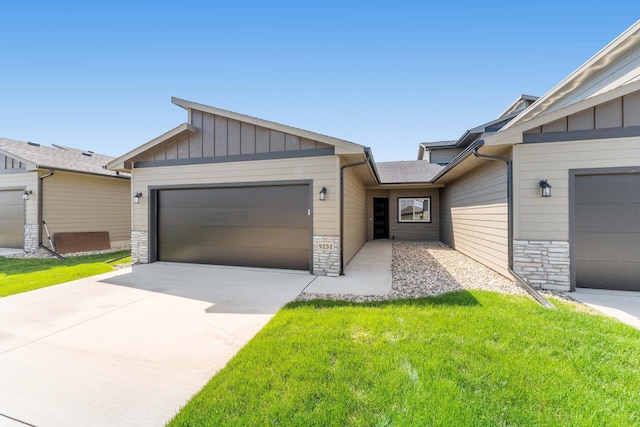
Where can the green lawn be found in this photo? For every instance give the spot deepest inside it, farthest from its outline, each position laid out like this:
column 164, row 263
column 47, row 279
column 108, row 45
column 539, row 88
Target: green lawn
column 21, row 275
column 462, row 359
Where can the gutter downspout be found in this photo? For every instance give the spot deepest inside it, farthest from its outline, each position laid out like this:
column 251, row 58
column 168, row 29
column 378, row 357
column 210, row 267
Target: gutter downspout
column 523, row 284
column 40, row 221
column 342, row 168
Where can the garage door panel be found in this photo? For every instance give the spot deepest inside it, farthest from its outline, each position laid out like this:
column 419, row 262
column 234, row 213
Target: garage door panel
column 236, row 236
column 607, row 275
column 608, row 217
column 259, row 226
column 607, row 246
column 607, row 231
column 11, row 219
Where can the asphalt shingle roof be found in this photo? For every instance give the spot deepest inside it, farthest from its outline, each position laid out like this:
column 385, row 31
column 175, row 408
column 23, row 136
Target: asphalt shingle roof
column 58, row 157
column 407, row 171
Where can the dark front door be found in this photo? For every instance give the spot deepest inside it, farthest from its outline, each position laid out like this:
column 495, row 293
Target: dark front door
column 254, row 226
column 380, row 218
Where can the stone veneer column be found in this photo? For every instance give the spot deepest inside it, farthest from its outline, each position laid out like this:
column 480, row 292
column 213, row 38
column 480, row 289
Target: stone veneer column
column 31, row 238
column 326, row 255
column 543, row 263
column 140, row 247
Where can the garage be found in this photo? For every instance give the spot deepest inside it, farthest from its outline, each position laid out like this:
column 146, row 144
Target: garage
column 607, row 231
column 254, row 226
column 11, row 219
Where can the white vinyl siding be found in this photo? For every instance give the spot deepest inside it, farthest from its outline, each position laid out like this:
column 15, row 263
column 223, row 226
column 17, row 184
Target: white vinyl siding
column 473, row 215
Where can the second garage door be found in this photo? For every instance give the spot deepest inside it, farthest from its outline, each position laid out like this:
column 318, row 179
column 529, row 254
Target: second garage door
column 11, row 219
column 607, row 231
column 255, row 226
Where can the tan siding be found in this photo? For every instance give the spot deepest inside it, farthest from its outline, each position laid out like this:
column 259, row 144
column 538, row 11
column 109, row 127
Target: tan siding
column 444, row 156
column 77, row 202
column 547, row 218
column 473, row 215
column 418, row 230
column 322, row 170
column 28, row 181
column 355, row 214
column 609, row 115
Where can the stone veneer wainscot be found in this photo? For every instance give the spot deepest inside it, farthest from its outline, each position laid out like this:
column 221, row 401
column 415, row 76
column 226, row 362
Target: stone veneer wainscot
column 326, row 255
column 543, row 263
column 139, row 247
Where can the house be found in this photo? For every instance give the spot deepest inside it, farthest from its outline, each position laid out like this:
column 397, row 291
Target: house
column 83, row 205
column 227, row 188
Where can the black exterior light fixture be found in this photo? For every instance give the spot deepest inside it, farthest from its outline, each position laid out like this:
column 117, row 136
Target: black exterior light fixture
column 323, row 193
column 545, row 187
column 137, row 197
column 26, row 194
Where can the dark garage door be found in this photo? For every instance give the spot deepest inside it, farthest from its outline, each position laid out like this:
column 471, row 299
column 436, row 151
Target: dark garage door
column 607, row 231
column 11, row 219
column 255, row 226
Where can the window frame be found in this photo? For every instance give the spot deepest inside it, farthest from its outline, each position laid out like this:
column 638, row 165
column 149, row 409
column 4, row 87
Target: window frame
column 425, row 212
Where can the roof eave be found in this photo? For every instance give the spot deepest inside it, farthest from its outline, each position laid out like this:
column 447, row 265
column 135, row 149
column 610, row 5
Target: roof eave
column 120, row 164
column 342, row 146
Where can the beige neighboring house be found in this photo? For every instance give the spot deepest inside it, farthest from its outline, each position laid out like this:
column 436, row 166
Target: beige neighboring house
column 68, row 189
column 226, row 188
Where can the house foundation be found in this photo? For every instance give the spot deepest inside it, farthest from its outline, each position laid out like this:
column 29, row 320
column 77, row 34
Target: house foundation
column 543, row 264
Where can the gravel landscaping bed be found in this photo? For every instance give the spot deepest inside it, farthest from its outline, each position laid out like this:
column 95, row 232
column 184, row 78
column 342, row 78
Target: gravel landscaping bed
column 421, row 269
column 41, row 253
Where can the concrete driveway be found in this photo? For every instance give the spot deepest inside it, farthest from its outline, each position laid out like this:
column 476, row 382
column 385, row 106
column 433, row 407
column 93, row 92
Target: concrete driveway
column 129, row 348
column 621, row 305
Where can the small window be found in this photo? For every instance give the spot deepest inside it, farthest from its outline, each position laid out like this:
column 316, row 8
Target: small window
column 414, row 209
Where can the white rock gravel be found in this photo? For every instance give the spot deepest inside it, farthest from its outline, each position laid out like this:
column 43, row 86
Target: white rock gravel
column 421, row 269
column 41, row 253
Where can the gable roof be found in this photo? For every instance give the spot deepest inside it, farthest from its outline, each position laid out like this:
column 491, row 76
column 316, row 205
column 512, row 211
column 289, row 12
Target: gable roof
column 407, row 172
column 57, row 157
column 615, row 65
column 123, row 163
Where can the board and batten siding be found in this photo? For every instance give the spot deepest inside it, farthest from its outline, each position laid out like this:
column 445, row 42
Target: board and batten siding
column 28, row 181
column 547, row 218
column 80, row 203
column 217, row 136
column 322, row 170
column 355, row 214
column 474, row 215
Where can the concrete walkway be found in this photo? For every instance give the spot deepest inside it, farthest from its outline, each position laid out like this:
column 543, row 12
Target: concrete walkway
column 10, row 251
column 129, row 348
column 621, row 305
column 369, row 273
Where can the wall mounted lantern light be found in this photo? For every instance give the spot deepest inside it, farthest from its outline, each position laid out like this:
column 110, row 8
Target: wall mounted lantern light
column 545, row 187
column 137, row 197
column 323, row 193
column 26, row 194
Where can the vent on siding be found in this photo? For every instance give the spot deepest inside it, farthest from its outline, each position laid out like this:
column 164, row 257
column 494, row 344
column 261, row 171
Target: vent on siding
column 35, row 144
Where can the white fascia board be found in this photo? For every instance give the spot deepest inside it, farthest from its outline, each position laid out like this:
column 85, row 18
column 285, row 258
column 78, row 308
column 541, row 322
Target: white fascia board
column 180, row 130
column 514, row 135
column 342, row 146
column 619, row 47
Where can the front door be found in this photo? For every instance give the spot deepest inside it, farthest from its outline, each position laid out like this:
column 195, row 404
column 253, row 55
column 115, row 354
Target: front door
column 380, row 218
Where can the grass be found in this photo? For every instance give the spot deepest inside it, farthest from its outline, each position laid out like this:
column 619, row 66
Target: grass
column 22, row 275
column 465, row 359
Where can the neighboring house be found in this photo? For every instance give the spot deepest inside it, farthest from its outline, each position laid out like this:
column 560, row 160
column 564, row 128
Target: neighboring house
column 583, row 138
column 68, row 189
column 226, row 188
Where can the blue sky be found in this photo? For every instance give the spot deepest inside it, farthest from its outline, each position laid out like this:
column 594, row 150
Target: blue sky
column 388, row 75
